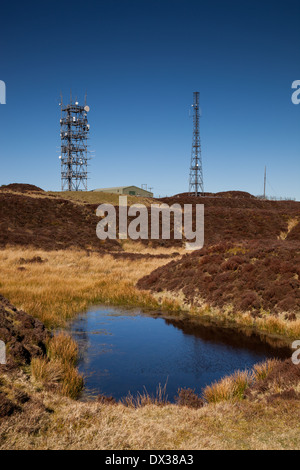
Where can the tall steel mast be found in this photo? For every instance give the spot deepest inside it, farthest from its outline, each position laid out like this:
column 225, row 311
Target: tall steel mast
column 196, row 186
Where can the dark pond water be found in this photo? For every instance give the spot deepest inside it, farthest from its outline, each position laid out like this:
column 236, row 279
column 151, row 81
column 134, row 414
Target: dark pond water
column 123, row 351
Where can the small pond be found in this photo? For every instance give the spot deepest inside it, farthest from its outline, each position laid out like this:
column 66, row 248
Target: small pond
column 125, row 351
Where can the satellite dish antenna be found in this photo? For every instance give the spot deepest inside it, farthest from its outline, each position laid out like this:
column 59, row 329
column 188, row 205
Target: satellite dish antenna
column 87, row 108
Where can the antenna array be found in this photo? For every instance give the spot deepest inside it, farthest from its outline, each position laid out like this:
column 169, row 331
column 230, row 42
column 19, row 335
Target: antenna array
column 74, row 133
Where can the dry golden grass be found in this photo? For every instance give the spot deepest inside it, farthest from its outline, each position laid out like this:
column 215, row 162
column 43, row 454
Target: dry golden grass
column 262, row 370
column 57, row 376
column 76, row 425
column 32, row 194
column 46, row 372
column 277, row 326
column 160, row 398
column 233, row 387
column 72, row 384
column 71, row 281
column 58, row 371
column 271, row 324
column 291, row 224
column 63, row 348
column 98, row 197
column 130, row 246
column 228, row 389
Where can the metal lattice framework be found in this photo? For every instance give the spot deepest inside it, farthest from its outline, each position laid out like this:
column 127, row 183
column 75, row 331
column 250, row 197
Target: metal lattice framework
column 196, row 186
column 74, row 132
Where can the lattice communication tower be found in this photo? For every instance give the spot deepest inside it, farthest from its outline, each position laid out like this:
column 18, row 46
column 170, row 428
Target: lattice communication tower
column 196, row 186
column 74, row 133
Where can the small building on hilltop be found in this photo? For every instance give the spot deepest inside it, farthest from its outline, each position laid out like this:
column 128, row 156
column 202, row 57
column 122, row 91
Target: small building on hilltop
column 126, row 191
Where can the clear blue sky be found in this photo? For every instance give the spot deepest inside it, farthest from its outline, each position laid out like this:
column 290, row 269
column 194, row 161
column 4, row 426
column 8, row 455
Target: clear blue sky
column 140, row 61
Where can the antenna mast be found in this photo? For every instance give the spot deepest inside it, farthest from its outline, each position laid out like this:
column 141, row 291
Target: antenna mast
column 196, row 186
column 74, row 132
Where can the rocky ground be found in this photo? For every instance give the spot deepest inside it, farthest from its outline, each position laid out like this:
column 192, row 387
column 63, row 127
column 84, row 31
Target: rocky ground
column 25, row 337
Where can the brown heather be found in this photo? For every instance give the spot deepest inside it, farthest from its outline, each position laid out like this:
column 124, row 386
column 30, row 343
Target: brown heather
column 251, row 282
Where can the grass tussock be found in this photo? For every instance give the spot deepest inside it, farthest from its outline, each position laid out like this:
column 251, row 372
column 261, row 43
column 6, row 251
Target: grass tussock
column 58, row 370
column 144, row 399
column 46, row 372
column 57, row 376
column 63, row 348
column 228, row 389
column 233, row 387
column 72, row 383
column 71, row 280
column 263, row 370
